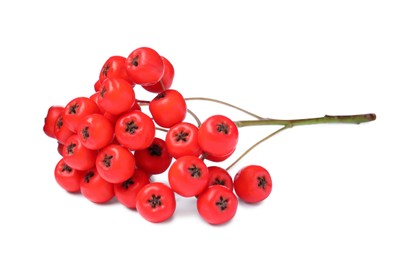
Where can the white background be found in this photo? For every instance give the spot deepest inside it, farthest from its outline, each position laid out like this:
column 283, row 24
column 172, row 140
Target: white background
column 339, row 191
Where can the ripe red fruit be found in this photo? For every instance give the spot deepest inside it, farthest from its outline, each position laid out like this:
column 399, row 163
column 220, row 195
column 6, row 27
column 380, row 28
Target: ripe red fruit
column 135, row 130
column 214, row 158
column 115, row 163
column 218, row 136
column 68, row 178
column 156, row 202
column 168, row 108
column 116, row 96
column 76, row 109
column 144, row 66
column 154, row 159
column 217, row 204
column 166, row 80
column 188, row 176
column 95, row 131
column 114, row 67
column 61, row 130
column 182, row 139
column 219, row 176
column 253, row 184
column 50, row 120
column 95, row 188
column 76, row 155
column 127, row 191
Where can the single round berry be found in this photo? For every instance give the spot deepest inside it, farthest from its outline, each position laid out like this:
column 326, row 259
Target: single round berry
column 144, row 66
column 253, row 184
column 218, row 136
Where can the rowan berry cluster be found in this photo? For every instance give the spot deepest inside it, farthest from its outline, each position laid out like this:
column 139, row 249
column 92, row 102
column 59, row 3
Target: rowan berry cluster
column 110, row 147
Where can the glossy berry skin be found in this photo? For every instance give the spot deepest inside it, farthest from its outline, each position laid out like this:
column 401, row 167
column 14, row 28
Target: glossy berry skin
column 95, row 188
column 166, row 80
column 188, row 176
column 217, row 204
column 50, row 120
column 61, row 130
column 76, row 109
column 116, row 96
column 168, row 108
column 144, row 66
column 253, row 184
column 182, row 139
column 218, row 136
column 135, row 130
column 126, row 192
column 68, row 178
column 95, row 131
column 156, row 202
column 114, row 67
column 76, row 155
column 214, row 158
column 154, row 159
column 219, row 176
column 115, row 163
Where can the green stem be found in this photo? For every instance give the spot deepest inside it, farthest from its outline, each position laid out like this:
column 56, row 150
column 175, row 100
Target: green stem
column 348, row 119
column 198, row 122
column 256, row 144
column 226, row 104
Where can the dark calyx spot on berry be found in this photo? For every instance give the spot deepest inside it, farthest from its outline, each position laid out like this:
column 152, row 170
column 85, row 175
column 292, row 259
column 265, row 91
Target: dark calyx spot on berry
column 262, row 182
column 195, row 171
column 217, row 181
column 67, row 168
column 222, row 203
column 181, row 136
column 88, row 176
column 130, row 127
column 70, row 149
column 73, row 109
column 60, row 122
column 107, row 160
column 126, row 184
column 160, row 95
column 155, row 201
column 155, row 150
column 222, row 127
column 85, row 133
column 103, row 90
column 134, row 61
column 105, row 70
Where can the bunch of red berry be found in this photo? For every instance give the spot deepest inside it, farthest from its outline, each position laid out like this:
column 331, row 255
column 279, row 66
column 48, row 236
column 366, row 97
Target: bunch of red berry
column 110, row 148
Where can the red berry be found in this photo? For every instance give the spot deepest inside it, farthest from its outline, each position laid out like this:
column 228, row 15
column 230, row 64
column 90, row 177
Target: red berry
column 154, row 159
column 76, row 109
column 115, row 163
column 217, row 204
column 116, row 96
column 156, row 202
column 127, row 191
column 95, row 188
column 50, row 120
column 68, row 178
column 76, row 155
column 219, row 176
column 166, row 80
column 114, row 67
column 182, row 139
column 144, row 66
column 188, row 176
column 135, row 130
column 218, row 136
column 95, row 131
column 168, row 108
column 253, row 184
